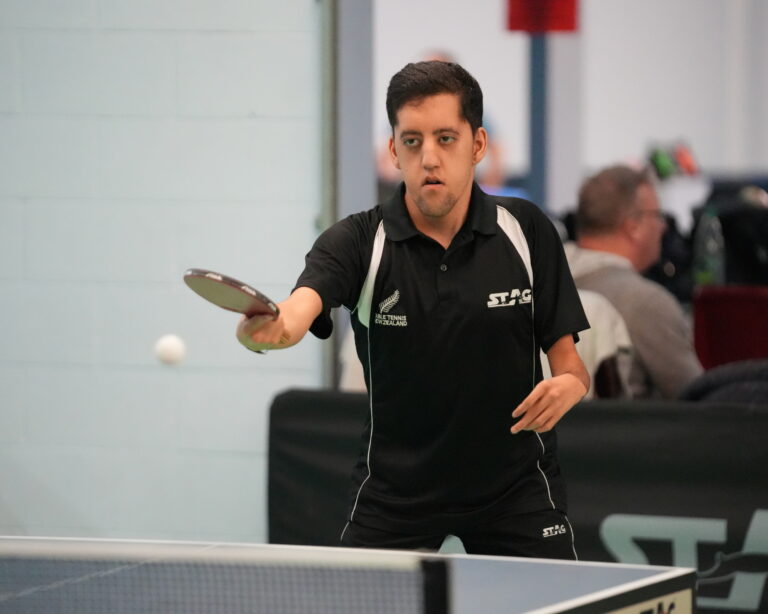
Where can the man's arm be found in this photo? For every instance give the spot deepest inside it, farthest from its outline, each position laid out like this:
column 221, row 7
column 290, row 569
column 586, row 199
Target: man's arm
column 297, row 313
column 552, row 398
column 664, row 342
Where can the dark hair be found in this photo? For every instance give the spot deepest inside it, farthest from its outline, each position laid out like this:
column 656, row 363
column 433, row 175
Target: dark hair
column 606, row 198
column 421, row 79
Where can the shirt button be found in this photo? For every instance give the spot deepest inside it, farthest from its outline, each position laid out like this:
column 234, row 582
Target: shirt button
column 443, row 267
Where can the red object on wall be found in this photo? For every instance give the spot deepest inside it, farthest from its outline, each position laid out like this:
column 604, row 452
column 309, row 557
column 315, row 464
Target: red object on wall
column 539, row 16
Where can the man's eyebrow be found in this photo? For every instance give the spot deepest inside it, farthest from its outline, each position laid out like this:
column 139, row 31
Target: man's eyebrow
column 407, row 133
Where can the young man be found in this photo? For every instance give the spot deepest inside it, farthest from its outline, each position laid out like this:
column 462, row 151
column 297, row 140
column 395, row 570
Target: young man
column 452, row 294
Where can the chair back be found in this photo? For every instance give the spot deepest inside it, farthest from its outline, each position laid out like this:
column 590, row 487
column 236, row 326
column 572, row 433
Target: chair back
column 605, row 348
column 730, row 324
column 745, row 381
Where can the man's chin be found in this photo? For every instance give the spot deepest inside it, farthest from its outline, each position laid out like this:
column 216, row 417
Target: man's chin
column 435, row 214
column 436, row 208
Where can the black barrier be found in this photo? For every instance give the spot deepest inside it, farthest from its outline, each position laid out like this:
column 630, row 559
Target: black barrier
column 668, row 483
column 662, row 483
column 314, row 439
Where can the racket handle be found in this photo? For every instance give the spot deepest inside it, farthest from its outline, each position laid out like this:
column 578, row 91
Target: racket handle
column 247, row 342
column 285, row 338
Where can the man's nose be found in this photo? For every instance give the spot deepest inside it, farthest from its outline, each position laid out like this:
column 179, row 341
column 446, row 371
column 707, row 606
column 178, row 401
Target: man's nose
column 429, row 156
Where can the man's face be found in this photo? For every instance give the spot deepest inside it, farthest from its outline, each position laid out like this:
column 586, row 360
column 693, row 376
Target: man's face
column 650, row 226
column 435, row 149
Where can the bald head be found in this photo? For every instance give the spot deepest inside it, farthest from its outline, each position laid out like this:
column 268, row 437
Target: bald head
column 619, row 213
column 607, row 198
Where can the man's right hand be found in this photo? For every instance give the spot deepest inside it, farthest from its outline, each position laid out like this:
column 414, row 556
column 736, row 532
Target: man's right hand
column 261, row 333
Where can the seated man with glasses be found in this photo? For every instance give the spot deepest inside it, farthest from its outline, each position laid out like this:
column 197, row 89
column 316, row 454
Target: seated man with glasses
column 619, row 226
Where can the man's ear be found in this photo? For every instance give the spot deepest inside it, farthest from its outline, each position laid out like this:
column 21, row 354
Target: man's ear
column 393, row 153
column 631, row 227
column 480, row 145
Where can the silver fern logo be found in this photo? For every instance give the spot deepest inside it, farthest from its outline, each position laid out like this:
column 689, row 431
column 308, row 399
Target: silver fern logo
column 388, row 303
column 384, row 318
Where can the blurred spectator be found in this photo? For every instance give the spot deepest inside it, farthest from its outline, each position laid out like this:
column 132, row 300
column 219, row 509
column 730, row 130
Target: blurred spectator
column 619, row 227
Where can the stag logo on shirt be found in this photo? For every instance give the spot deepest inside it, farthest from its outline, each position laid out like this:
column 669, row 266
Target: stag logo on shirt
column 507, row 299
column 558, row 529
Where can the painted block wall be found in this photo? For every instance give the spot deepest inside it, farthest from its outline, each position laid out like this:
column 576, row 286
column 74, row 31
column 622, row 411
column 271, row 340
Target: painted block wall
column 138, row 139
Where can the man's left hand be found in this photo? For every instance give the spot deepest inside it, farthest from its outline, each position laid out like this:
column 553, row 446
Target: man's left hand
column 549, row 401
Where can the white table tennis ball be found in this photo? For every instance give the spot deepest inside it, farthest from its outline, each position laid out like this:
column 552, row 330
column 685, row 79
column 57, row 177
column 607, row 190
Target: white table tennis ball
column 170, row 349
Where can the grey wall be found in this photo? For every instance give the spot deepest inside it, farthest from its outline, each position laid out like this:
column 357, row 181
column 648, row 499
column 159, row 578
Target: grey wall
column 138, row 139
column 656, row 71
column 356, row 164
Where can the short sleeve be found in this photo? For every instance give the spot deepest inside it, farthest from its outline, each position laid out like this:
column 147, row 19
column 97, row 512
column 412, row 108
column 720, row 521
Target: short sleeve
column 336, row 265
column 558, row 309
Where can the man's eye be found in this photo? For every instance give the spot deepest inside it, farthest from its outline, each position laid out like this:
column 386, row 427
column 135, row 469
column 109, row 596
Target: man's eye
column 412, row 142
column 446, row 139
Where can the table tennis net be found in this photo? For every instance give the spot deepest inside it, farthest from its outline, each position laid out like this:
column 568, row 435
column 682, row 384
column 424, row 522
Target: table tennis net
column 61, row 585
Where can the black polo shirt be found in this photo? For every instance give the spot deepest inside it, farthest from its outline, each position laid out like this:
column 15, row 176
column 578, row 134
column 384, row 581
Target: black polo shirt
column 449, row 340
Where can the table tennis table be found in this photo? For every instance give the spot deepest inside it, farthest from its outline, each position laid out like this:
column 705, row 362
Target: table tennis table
column 89, row 576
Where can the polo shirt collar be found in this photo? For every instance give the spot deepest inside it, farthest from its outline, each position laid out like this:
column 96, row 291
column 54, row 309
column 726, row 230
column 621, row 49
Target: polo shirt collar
column 399, row 226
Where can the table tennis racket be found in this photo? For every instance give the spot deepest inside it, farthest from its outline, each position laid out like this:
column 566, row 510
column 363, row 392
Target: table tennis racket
column 231, row 294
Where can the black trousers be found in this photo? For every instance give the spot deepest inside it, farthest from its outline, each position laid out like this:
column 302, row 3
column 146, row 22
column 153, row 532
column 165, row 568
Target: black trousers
column 542, row 534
